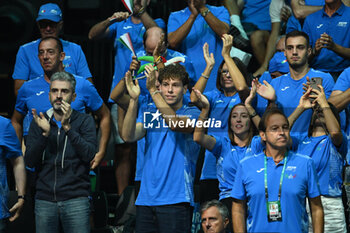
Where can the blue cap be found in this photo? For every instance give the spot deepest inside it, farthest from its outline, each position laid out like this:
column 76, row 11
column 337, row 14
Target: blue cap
column 50, row 12
column 279, row 63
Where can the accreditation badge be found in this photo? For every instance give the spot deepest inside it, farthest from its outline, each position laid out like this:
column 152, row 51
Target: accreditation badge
column 274, row 212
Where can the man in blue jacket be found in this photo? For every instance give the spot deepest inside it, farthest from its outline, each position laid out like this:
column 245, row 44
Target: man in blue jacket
column 61, row 145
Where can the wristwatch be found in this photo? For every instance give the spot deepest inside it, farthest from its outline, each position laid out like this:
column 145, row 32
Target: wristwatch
column 21, row 197
column 204, row 13
column 254, row 114
column 141, row 11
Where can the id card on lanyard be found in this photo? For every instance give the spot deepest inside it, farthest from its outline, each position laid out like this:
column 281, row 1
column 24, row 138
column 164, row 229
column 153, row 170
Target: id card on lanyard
column 274, row 211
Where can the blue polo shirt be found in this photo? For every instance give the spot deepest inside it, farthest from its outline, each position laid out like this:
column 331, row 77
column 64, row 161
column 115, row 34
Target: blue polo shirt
column 169, row 162
column 314, row 2
column 169, row 55
column 299, row 182
column 228, row 157
column 122, row 54
column 141, row 144
column 10, row 147
column 294, row 24
column 288, row 93
column 200, row 33
column 329, row 161
column 338, row 27
column 220, row 108
column 27, row 66
column 257, row 12
column 342, row 84
column 35, row 94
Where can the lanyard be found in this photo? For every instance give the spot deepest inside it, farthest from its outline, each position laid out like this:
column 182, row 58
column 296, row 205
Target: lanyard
column 281, row 179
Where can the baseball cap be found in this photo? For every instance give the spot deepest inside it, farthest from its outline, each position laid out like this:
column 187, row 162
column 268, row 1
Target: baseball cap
column 279, row 63
column 50, row 12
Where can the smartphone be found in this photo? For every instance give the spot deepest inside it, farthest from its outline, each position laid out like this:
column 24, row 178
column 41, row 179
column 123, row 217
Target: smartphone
column 314, row 82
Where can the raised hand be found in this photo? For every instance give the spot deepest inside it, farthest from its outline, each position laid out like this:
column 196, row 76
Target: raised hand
column 42, row 122
column 209, row 59
column 151, row 78
column 133, row 89
column 319, row 97
column 227, row 44
column 202, row 101
column 135, row 64
column 304, row 101
column 192, row 8
column 159, row 48
column 252, row 94
column 138, row 4
column 306, row 85
column 266, row 91
column 198, row 4
column 67, row 112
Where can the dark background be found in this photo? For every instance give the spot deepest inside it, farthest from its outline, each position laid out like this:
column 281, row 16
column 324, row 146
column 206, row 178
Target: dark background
column 18, row 26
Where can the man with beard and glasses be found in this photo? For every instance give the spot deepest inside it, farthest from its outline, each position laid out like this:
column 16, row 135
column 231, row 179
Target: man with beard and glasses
column 289, row 87
column 61, row 145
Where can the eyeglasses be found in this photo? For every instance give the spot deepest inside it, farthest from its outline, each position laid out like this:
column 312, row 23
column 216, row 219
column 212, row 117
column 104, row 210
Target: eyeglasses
column 224, row 72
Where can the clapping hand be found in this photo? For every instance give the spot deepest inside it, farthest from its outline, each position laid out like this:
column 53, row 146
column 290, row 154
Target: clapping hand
column 133, row 89
column 266, row 91
column 209, row 58
column 202, row 101
column 151, row 78
column 252, row 94
column 42, row 122
column 227, row 44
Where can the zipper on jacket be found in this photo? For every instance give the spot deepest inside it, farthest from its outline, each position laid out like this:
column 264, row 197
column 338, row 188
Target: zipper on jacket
column 54, row 185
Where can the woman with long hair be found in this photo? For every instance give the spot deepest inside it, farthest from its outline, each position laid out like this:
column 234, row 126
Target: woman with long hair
column 231, row 90
column 231, row 148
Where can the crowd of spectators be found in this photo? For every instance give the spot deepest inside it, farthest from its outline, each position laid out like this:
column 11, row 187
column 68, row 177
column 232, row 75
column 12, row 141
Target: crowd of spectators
column 273, row 133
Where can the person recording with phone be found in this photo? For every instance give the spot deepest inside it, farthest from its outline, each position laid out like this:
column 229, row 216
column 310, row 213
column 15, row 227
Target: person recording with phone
column 327, row 145
column 289, row 87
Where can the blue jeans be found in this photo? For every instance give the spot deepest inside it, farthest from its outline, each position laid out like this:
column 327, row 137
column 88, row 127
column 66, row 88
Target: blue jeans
column 164, row 219
column 73, row 215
